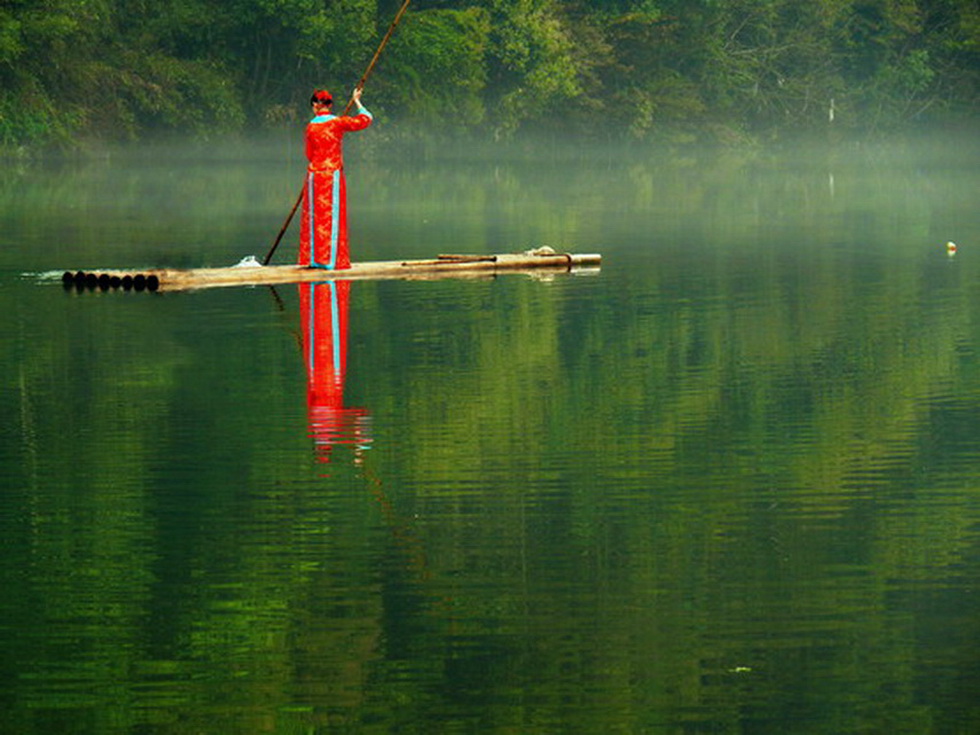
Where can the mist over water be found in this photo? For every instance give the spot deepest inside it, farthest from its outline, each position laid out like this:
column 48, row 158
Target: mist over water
column 728, row 484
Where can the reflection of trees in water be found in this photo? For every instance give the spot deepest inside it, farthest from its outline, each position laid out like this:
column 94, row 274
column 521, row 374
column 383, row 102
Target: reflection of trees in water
column 729, row 481
column 746, row 490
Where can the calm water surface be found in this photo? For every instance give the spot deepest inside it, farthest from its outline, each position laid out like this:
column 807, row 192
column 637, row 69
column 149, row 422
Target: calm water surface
column 731, row 484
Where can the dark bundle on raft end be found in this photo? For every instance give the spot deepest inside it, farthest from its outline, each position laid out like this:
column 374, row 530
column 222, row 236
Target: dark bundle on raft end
column 81, row 280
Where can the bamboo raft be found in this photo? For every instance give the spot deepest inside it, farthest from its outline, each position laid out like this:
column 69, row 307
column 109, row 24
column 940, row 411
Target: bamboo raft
column 255, row 274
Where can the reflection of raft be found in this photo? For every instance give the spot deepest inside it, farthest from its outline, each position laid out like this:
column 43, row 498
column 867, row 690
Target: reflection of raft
column 443, row 266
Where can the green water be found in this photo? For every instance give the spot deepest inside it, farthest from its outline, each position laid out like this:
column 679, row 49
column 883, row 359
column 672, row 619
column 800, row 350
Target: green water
column 730, row 484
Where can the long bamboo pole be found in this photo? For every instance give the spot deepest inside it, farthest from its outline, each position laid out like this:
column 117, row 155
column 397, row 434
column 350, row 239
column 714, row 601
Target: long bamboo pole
column 350, row 103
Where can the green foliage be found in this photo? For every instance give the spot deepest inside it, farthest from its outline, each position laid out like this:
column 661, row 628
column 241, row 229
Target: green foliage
column 531, row 63
column 441, row 72
column 620, row 68
column 32, row 117
column 158, row 91
column 11, row 39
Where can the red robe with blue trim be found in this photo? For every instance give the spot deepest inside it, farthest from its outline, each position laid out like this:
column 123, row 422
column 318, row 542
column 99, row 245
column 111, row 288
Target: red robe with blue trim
column 323, row 239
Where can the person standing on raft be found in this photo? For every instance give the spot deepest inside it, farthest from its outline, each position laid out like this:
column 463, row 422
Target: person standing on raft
column 323, row 239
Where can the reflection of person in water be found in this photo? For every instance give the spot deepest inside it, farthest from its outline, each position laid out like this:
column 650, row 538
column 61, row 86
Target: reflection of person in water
column 323, row 310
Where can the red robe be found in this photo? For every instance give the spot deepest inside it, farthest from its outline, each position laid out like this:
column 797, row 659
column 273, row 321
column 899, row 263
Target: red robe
column 323, row 227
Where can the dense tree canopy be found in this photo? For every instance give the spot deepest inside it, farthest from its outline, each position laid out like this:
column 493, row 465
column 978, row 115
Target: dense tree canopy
column 619, row 68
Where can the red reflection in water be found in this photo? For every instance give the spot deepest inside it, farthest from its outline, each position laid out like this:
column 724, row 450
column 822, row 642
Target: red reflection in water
column 324, row 313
